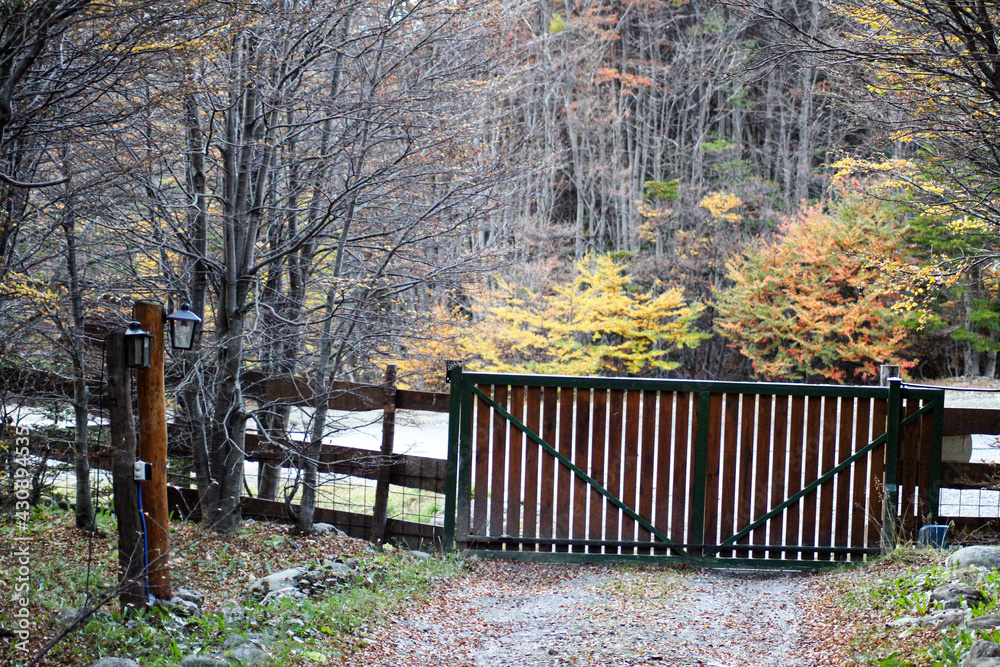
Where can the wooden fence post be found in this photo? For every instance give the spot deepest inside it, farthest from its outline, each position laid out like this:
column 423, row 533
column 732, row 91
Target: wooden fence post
column 152, row 407
column 381, row 508
column 131, row 555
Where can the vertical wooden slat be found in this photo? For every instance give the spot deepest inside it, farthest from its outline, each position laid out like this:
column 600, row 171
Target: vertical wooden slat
column 762, row 467
column 811, row 474
column 923, row 471
column 728, row 470
column 564, row 476
column 828, row 459
column 599, row 471
column 647, row 457
column 779, row 447
column 712, row 470
column 859, row 474
column 630, row 467
column 796, row 437
column 680, row 489
column 482, row 463
column 876, row 479
column 910, row 449
column 744, row 494
column 547, row 488
column 581, row 457
column 845, row 447
column 498, row 469
column 514, row 476
column 664, row 450
column 533, row 398
column 616, row 414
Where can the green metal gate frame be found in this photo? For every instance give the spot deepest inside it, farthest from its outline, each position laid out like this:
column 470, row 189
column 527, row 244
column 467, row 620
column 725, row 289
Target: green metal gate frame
column 464, row 392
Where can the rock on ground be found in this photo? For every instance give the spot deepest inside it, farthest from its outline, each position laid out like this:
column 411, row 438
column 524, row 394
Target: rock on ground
column 954, row 595
column 983, row 654
column 988, row 557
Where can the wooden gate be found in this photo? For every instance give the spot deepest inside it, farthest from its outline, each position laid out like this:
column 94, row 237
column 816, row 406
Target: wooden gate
column 569, row 468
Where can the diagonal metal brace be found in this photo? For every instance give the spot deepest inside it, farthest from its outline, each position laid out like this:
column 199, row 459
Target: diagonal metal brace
column 827, row 476
column 580, row 473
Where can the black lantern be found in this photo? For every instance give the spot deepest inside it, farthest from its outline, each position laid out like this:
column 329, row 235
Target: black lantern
column 183, row 326
column 138, row 346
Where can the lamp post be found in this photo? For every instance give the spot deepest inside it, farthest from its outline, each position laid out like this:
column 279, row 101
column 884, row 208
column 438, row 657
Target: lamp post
column 144, row 351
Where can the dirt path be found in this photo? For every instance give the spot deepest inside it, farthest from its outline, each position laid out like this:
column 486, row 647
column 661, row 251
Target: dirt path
column 507, row 615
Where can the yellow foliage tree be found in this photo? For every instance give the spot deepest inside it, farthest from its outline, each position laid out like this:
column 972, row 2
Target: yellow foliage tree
column 598, row 323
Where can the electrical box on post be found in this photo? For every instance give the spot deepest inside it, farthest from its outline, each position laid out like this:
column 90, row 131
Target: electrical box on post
column 143, row 471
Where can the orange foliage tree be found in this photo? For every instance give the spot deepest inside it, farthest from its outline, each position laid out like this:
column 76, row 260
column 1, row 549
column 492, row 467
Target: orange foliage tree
column 803, row 307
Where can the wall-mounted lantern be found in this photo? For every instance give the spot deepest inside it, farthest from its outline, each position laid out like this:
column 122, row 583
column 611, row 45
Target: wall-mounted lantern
column 183, row 327
column 138, row 346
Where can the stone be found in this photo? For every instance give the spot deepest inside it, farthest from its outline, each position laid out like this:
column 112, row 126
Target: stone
column 988, row 557
column 67, row 617
column 203, row 661
column 115, row 662
column 954, row 595
column 983, row 654
column 178, row 605
column 278, row 581
column 249, row 655
column 985, row 622
column 190, row 596
column 938, row 620
column 232, row 641
column 233, row 613
column 327, row 529
column 281, row 593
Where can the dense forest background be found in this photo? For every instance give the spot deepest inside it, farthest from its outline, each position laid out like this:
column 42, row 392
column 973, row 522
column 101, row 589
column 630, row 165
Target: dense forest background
column 792, row 190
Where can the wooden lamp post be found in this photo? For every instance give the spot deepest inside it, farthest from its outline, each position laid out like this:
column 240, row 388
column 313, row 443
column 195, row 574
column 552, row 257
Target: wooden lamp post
column 144, row 345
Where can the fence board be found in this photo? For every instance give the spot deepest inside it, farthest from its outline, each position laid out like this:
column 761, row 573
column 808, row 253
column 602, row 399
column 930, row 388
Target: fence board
column 533, row 399
column 616, row 409
column 860, row 473
column 599, row 469
column 828, row 460
column 664, row 457
column 630, row 464
column 876, row 464
column 714, row 449
column 515, row 480
column 744, row 494
column 581, row 457
column 646, row 476
column 564, row 477
column 728, row 464
column 845, row 447
column 480, row 506
column 776, row 532
column 547, row 496
column 680, row 486
column 811, row 473
column 795, row 455
column 764, row 452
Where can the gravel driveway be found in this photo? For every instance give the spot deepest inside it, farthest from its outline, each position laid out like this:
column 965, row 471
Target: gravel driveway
column 506, row 614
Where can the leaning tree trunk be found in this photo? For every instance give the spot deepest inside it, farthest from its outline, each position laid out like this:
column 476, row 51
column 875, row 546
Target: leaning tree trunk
column 81, row 395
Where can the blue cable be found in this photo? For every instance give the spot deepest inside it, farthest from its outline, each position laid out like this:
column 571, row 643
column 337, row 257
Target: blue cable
column 145, row 540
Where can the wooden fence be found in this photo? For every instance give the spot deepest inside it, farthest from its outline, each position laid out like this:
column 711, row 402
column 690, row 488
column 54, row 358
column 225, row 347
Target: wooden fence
column 430, row 474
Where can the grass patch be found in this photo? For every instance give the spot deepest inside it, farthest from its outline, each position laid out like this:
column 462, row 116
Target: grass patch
column 899, row 586
column 318, row 630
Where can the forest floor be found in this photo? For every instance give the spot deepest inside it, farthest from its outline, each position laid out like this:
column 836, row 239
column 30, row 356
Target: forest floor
column 460, row 612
